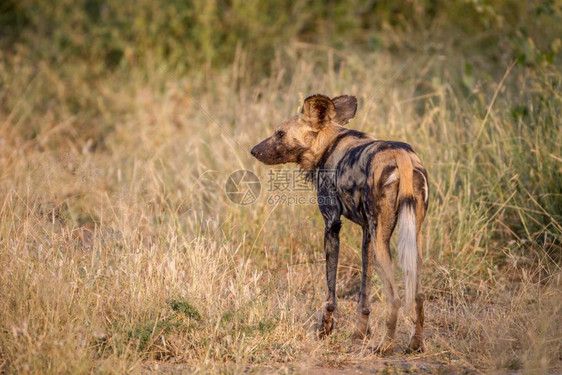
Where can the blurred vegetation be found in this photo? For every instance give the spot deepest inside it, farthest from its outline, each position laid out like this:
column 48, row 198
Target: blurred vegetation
column 192, row 34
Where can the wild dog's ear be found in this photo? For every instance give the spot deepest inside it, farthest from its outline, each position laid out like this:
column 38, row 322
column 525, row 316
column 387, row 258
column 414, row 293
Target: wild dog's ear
column 319, row 110
column 346, row 106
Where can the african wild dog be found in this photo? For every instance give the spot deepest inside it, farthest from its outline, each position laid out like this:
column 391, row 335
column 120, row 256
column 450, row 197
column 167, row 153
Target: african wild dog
column 377, row 185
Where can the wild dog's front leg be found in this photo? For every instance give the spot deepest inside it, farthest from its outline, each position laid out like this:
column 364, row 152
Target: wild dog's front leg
column 363, row 306
column 332, row 249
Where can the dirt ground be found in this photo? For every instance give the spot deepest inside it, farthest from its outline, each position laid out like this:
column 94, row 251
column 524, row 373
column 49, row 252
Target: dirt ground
column 375, row 365
column 345, row 357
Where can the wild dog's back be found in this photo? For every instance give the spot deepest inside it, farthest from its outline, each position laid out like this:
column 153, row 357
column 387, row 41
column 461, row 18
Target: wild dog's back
column 362, row 164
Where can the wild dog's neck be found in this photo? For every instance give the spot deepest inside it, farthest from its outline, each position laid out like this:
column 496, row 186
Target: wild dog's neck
column 311, row 159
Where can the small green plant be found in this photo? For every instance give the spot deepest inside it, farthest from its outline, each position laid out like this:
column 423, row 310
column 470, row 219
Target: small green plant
column 146, row 332
column 184, row 308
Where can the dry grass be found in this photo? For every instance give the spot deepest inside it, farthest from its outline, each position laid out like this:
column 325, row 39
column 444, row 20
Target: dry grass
column 119, row 249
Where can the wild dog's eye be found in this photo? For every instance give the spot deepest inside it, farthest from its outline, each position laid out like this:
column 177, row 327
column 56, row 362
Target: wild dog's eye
column 280, row 133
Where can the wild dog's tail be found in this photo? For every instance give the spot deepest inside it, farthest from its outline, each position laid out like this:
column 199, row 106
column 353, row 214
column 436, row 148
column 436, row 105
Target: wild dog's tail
column 407, row 242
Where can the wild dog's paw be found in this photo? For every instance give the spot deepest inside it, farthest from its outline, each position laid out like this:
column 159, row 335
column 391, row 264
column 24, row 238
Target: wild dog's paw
column 326, row 326
column 416, row 346
column 362, row 329
column 385, row 348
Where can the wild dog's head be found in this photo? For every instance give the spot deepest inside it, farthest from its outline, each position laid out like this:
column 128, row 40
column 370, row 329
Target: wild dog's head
column 303, row 137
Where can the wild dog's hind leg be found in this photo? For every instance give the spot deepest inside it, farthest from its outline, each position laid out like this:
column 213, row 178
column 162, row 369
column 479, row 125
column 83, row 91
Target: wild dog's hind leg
column 416, row 342
column 363, row 306
column 332, row 248
column 383, row 266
